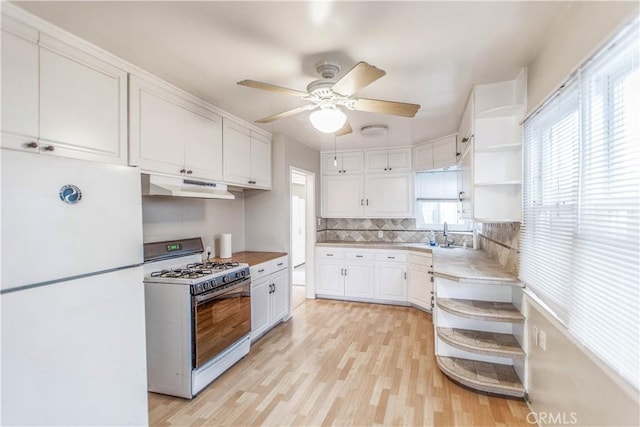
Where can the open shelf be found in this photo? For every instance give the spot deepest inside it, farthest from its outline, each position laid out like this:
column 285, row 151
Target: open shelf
column 496, row 183
column 481, row 310
column 499, row 147
column 482, row 342
column 513, row 110
column 482, row 376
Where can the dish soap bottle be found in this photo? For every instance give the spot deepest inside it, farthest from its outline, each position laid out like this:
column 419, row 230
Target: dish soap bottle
column 432, row 238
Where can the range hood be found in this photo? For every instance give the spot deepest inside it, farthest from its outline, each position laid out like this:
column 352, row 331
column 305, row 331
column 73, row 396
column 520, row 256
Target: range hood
column 159, row 185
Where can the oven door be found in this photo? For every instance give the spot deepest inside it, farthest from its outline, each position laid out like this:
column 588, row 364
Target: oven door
column 220, row 318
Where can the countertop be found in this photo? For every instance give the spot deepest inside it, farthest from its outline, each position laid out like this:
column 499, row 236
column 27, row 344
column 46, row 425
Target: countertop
column 462, row 265
column 251, row 257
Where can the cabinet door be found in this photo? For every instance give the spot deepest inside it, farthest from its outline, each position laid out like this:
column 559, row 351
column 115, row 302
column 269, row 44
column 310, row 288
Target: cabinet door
column 389, row 195
column 331, row 163
column 203, row 144
column 19, row 86
column 261, row 161
column 423, row 157
column 444, row 152
column 156, row 134
column 352, row 162
column 343, row 196
column 358, row 279
column 465, row 185
column 377, row 160
column 83, row 105
column 260, row 300
column 236, row 163
column 279, row 295
column 400, row 160
column 420, row 286
column 391, row 282
column 330, row 279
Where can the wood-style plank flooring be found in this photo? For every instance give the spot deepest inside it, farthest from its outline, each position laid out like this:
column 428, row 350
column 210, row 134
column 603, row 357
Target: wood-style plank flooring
column 340, row 363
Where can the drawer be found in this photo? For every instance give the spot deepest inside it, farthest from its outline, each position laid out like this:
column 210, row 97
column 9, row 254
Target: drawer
column 261, row 270
column 329, row 253
column 360, row 255
column 391, row 256
column 279, row 263
column 426, row 260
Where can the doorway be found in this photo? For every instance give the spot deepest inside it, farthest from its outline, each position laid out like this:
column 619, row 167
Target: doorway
column 303, row 235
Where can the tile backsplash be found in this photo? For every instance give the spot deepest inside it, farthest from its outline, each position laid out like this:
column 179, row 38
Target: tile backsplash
column 501, row 241
column 394, row 230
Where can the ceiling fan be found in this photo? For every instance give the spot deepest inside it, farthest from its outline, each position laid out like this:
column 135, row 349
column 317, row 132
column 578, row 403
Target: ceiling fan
column 329, row 97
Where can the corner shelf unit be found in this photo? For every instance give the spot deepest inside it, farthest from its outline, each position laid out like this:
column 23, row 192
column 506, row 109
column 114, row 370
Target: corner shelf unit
column 479, row 330
column 493, row 115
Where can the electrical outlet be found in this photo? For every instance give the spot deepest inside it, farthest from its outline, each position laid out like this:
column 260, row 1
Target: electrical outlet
column 380, row 234
column 542, row 340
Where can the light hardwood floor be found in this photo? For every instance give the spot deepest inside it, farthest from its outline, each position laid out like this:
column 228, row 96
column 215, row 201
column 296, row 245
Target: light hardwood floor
column 340, row 363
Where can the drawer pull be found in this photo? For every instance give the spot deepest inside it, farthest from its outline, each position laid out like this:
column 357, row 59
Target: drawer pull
column 261, row 270
column 329, row 254
column 280, row 263
column 358, row 256
column 391, row 257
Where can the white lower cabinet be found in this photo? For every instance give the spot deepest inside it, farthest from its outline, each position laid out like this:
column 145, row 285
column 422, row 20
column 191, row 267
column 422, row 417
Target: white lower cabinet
column 269, row 295
column 366, row 274
column 421, row 281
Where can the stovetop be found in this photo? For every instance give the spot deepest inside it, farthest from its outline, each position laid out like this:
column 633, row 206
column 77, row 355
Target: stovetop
column 195, row 271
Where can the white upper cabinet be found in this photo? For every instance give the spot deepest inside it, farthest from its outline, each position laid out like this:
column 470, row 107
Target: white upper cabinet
column 342, row 163
column 389, row 195
column 246, row 156
column 170, row 134
column 342, row 196
column 435, row 154
column 61, row 100
column 395, row 160
column 19, row 85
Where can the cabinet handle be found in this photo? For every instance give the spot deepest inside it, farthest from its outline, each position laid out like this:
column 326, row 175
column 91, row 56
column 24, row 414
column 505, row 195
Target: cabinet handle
column 460, row 195
column 358, row 256
column 391, row 257
column 31, row 145
column 274, row 288
column 385, row 168
column 183, row 170
column 367, row 202
column 361, row 202
column 261, row 270
column 432, row 302
column 329, row 254
column 49, row 148
column 389, row 169
column 345, row 271
column 465, row 139
column 405, row 275
column 189, row 172
column 280, row 263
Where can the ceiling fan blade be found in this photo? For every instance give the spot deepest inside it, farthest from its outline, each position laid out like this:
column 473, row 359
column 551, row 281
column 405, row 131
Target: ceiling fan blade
column 361, row 75
column 272, row 88
column 345, row 130
column 386, row 107
column 287, row 113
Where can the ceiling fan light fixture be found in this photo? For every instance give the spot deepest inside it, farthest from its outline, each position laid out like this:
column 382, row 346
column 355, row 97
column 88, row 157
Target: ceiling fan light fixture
column 374, row 130
column 328, row 119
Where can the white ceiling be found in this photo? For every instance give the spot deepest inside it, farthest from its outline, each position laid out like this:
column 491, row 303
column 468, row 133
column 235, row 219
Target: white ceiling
column 433, row 53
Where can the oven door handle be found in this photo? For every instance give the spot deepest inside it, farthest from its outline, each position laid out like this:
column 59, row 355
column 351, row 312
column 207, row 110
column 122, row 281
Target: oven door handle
column 203, row 298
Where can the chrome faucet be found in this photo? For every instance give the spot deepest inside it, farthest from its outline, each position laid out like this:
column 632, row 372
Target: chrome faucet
column 445, row 233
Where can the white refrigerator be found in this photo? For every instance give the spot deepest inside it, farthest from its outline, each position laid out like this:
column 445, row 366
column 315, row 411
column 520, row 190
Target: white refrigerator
column 72, row 297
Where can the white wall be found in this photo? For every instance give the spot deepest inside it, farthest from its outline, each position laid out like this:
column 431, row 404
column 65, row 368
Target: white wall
column 166, row 218
column 566, row 378
column 267, row 215
column 578, row 33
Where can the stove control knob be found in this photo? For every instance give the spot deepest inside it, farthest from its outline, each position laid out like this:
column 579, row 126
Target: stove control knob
column 225, row 279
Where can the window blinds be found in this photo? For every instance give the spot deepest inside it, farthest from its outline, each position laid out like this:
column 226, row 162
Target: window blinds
column 441, row 185
column 581, row 205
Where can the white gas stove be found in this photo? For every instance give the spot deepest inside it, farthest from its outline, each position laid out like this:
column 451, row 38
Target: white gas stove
column 198, row 316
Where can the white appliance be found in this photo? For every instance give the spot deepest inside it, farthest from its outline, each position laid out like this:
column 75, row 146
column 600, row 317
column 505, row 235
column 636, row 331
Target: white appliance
column 72, row 296
column 198, row 316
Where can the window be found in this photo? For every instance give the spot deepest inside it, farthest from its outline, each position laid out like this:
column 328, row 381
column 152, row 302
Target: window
column 581, row 205
column 437, row 201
